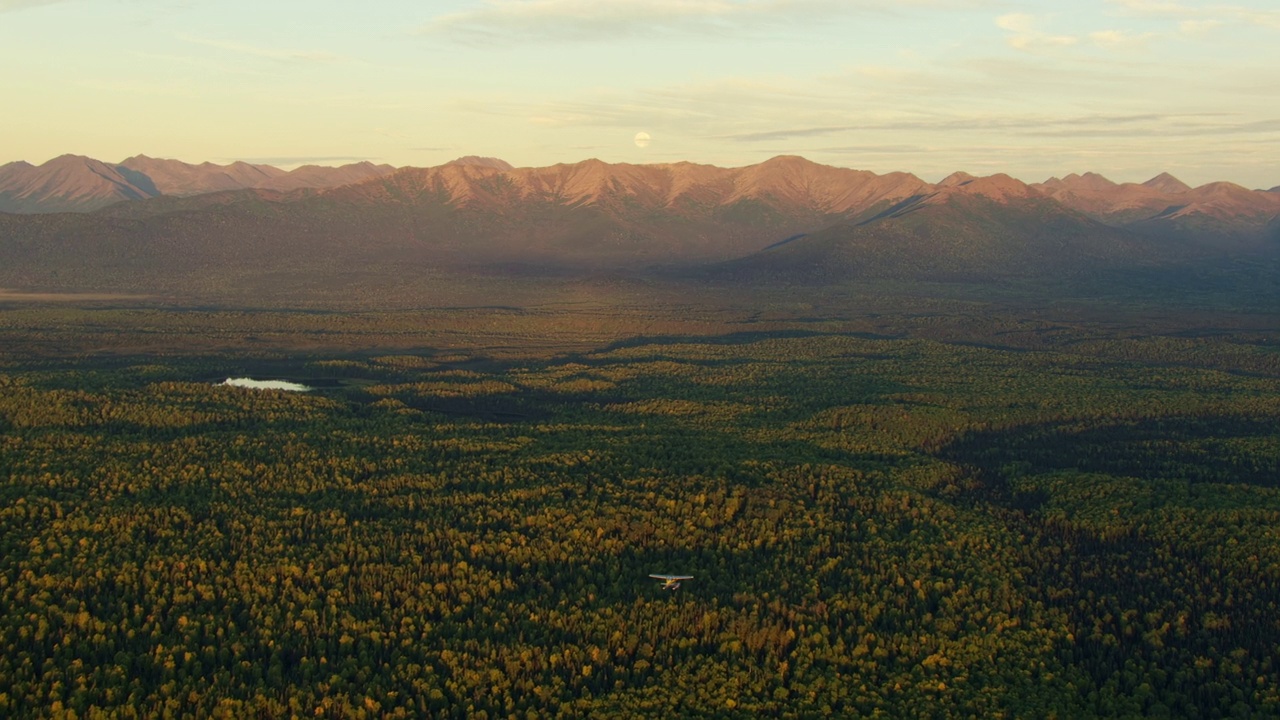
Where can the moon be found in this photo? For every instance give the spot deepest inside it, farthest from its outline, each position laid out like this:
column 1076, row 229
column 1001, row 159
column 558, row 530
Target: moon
column 643, row 139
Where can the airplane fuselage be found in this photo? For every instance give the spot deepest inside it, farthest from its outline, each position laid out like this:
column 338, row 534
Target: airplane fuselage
column 671, row 582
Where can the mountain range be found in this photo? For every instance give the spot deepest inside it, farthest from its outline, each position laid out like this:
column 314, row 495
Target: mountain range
column 74, row 183
column 173, row 224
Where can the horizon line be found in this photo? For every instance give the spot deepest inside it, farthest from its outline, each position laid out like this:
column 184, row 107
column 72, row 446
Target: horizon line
column 294, row 163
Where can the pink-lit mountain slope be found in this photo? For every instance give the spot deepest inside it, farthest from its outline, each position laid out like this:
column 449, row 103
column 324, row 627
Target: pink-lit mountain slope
column 174, row 177
column 1166, row 183
column 606, row 213
column 782, row 218
column 69, row 183
column 584, row 216
column 73, row 183
column 1166, row 206
column 320, row 176
column 967, row 229
column 780, row 188
column 773, row 195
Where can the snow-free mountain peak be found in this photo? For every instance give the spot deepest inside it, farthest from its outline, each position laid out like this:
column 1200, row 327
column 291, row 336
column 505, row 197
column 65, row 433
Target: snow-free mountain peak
column 1166, row 183
column 479, row 161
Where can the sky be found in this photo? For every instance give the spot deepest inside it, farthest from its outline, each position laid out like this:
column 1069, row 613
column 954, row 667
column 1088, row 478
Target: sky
column 1126, row 88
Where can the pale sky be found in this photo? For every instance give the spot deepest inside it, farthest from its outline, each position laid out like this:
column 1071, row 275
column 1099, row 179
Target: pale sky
column 1127, row 88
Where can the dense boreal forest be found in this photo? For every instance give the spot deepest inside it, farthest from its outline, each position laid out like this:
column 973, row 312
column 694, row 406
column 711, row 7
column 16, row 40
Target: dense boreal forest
column 953, row 517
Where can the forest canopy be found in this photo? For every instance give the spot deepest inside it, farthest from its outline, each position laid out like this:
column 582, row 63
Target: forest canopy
column 935, row 523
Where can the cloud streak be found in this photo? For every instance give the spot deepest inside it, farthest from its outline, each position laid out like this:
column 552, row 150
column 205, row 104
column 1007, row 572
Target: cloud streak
column 695, row 108
column 603, row 20
column 1024, row 33
column 928, row 103
column 590, row 20
column 277, row 54
column 1170, row 129
column 12, row 5
column 1119, row 38
column 1078, row 125
column 1198, row 18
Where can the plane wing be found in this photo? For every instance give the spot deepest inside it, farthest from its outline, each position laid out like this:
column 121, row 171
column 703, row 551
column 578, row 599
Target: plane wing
column 672, row 577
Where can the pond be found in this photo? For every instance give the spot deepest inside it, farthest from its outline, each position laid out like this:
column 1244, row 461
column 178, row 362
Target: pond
column 266, row 384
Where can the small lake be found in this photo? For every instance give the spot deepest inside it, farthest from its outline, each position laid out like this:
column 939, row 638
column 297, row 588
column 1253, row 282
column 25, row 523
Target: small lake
column 265, row 384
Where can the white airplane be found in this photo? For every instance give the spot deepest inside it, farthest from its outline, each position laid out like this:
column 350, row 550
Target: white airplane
column 671, row 582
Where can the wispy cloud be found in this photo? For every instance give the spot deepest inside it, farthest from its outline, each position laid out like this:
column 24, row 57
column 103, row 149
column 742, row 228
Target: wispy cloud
column 1200, row 17
column 1155, row 7
column 166, row 89
column 696, row 108
column 866, row 149
column 1172, row 126
column 1195, row 27
column 1261, row 18
column 957, row 98
column 277, row 54
column 205, row 64
column 981, row 123
column 1025, row 35
column 790, row 133
column 11, row 5
column 603, row 20
column 867, row 118
column 575, row 20
column 1119, row 38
